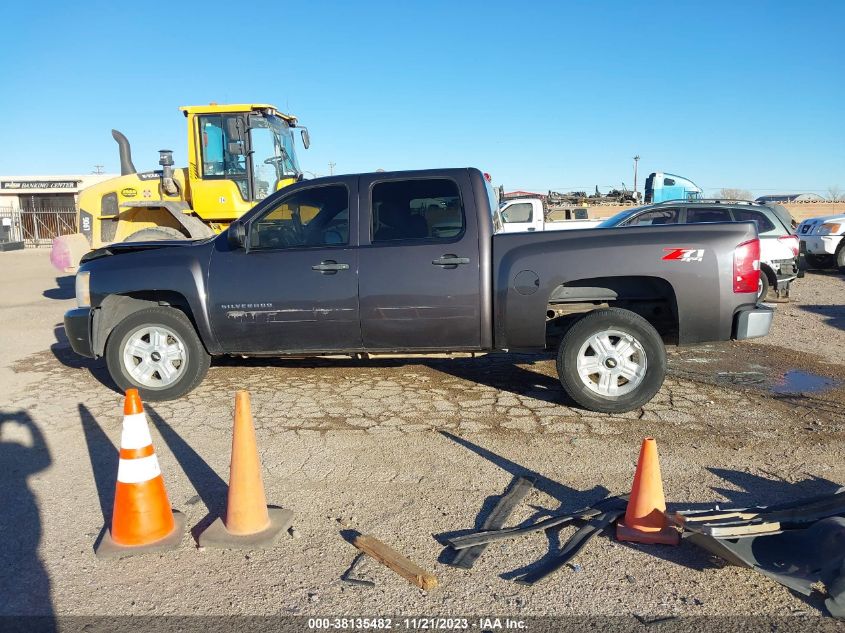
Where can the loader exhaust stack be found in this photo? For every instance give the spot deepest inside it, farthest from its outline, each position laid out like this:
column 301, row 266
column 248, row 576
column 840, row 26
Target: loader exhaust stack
column 126, row 166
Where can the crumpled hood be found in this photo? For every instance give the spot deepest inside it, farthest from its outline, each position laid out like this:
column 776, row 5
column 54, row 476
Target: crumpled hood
column 134, row 247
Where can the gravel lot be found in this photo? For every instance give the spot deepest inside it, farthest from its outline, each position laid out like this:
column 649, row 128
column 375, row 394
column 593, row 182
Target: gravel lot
column 404, row 450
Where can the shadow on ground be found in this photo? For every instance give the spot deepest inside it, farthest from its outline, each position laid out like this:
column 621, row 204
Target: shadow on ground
column 210, row 487
column 500, row 371
column 65, row 289
column 64, row 353
column 834, row 314
column 24, row 582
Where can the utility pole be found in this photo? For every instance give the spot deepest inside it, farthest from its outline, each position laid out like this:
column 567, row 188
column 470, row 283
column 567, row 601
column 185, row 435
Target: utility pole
column 98, row 169
column 331, row 168
column 636, row 160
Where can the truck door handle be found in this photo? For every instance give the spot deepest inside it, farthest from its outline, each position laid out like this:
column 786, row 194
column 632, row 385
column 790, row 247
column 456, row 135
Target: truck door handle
column 329, row 267
column 450, row 261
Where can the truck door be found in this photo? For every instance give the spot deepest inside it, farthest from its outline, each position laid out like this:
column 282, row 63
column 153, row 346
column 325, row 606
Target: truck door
column 296, row 287
column 419, row 263
column 521, row 215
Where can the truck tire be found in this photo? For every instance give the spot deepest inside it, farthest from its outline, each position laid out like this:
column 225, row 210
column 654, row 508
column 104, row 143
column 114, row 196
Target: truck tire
column 819, row 262
column 155, row 234
column 157, row 351
column 612, row 361
column 763, row 286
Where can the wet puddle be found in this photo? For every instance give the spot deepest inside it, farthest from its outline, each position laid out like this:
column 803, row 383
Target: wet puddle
column 792, row 382
column 749, row 366
column 797, row 381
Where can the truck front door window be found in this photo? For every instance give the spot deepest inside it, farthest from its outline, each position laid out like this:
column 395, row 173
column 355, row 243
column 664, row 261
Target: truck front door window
column 318, row 216
column 428, row 209
column 520, row 212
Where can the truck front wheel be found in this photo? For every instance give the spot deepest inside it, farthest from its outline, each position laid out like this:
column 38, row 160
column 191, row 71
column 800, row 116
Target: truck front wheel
column 611, row 361
column 157, row 351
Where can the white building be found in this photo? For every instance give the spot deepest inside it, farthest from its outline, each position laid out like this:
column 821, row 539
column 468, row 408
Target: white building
column 32, row 193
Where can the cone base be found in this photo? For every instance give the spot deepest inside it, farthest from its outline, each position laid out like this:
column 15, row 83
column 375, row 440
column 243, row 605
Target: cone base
column 666, row 536
column 216, row 534
column 107, row 548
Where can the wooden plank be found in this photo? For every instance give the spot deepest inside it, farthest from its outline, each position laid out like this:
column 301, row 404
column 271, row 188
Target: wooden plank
column 389, row 557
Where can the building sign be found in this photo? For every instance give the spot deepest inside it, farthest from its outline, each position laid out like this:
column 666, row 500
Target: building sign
column 39, row 184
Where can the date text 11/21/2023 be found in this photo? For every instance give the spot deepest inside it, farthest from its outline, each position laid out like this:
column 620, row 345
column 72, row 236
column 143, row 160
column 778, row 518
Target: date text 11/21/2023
column 417, row 624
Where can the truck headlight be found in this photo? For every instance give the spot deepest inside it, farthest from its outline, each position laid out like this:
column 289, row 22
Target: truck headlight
column 828, row 228
column 83, row 289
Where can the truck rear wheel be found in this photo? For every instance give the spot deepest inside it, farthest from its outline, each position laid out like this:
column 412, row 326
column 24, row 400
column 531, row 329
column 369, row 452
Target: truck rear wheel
column 611, row 361
column 157, row 351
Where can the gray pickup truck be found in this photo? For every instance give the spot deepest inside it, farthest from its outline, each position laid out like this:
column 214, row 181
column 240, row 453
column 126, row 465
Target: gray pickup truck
column 407, row 262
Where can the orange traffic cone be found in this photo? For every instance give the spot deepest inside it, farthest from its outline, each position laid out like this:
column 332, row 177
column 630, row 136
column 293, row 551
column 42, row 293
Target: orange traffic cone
column 249, row 523
column 645, row 519
column 142, row 520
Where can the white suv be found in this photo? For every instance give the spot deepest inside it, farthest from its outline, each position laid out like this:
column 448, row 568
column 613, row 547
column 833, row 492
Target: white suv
column 823, row 241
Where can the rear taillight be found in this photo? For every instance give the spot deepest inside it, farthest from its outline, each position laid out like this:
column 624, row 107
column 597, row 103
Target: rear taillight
column 747, row 266
column 791, row 241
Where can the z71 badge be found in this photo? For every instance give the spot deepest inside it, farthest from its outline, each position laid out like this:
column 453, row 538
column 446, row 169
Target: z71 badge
column 684, row 254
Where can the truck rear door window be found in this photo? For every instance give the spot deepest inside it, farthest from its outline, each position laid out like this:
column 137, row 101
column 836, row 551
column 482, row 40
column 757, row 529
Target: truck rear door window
column 318, row 216
column 519, row 212
column 657, row 216
column 420, row 209
column 696, row 215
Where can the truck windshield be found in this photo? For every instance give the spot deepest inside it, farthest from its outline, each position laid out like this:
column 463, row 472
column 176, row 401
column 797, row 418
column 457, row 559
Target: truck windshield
column 273, row 153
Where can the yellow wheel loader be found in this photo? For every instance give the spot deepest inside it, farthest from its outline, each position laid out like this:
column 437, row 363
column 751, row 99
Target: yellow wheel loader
column 237, row 155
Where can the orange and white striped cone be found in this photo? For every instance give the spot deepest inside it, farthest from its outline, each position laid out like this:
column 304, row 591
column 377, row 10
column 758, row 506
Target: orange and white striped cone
column 142, row 520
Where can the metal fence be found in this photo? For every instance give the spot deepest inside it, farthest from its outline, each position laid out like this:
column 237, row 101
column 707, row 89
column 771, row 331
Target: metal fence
column 36, row 227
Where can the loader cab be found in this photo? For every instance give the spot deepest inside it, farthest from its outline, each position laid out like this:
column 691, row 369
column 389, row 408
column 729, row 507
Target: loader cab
column 238, row 155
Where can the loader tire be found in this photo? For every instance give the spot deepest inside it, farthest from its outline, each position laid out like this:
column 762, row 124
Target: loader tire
column 155, row 234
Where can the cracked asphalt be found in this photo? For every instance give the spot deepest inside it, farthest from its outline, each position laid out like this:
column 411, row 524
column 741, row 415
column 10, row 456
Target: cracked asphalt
column 404, row 450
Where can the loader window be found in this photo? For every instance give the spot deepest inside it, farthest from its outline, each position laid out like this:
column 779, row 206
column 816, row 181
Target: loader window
column 222, row 157
column 318, row 216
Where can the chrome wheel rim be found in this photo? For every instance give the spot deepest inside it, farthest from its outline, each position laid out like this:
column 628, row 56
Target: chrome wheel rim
column 154, row 356
column 612, row 363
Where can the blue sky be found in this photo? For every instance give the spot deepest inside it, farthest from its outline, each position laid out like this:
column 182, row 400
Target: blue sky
column 542, row 95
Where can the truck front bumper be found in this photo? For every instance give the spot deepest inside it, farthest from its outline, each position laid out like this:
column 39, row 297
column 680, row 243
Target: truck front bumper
column 752, row 322
column 820, row 244
column 78, row 331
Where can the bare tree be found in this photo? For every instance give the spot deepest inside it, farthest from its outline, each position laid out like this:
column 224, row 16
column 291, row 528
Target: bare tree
column 734, row 194
column 834, row 193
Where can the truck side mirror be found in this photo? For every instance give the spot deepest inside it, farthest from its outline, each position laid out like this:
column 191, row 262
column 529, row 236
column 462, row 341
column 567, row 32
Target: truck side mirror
column 306, row 138
column 237, row 234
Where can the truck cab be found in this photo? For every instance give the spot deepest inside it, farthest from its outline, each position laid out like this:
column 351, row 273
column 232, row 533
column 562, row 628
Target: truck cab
column 661, row 186
column 519, row 215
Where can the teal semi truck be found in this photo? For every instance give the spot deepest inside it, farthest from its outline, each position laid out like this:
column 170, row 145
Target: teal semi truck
column 661, row 186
